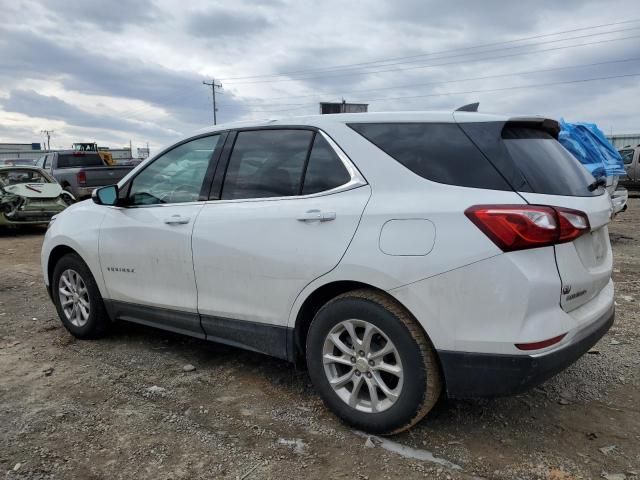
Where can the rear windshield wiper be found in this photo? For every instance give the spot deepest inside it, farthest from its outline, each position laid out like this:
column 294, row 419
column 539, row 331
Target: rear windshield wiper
column 600, row 182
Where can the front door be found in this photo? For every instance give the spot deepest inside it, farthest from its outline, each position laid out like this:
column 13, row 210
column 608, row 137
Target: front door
column 145, row 246
column 289, row 207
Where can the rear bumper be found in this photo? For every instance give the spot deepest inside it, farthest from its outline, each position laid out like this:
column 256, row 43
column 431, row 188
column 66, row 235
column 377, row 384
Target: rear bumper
column 470, row 375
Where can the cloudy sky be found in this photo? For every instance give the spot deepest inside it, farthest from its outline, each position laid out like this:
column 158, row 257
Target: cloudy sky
column 114, row 71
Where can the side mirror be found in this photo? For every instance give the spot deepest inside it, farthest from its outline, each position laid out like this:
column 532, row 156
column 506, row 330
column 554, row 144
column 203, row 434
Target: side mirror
column 105, row 195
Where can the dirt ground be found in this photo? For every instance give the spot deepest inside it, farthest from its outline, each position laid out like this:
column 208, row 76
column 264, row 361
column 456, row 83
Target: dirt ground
column 124, row 407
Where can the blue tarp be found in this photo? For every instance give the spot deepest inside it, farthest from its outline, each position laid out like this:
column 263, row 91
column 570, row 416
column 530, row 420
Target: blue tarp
column 589, row 145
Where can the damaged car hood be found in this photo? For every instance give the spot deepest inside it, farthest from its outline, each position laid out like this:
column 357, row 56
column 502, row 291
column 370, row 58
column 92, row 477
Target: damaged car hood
column 35, row 190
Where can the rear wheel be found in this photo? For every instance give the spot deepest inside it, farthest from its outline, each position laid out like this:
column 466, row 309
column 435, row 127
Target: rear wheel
column 77, row 298
column 371, row 363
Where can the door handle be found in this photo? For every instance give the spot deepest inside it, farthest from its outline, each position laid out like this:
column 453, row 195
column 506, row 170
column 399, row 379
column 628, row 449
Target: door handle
column 176, row 220
column 317, row 215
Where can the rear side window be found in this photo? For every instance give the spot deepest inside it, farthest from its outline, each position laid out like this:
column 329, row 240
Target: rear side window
column 546, row 165
column 71, row 160
column 325, row 169
column 440, row 152
column 267, row 163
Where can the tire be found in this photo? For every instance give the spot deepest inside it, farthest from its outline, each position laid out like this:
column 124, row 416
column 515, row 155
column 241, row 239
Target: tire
column 408, row 394
column 75, row 277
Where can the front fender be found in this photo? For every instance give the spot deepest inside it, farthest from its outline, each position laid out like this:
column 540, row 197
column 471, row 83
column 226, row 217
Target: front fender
column 77, row 228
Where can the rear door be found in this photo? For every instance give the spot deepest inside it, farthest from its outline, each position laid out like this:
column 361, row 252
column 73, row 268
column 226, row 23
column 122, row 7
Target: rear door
column 543, row 172
column 288, row 208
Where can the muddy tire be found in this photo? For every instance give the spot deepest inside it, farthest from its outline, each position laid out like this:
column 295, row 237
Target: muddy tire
column 371, row 362
column 77, row 298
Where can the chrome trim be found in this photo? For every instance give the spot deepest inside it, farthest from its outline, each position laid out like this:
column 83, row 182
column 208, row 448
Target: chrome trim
column 354, row 173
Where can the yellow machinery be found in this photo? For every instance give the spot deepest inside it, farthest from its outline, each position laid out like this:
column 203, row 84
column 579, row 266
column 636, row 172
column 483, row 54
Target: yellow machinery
column 106, row 157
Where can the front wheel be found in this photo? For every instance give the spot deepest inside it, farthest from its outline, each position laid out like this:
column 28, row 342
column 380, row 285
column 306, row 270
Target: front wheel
column 371, row 362
column 77, row 298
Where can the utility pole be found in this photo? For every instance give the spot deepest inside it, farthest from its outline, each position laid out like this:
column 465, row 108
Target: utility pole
column 48, row 134
column 213, row 86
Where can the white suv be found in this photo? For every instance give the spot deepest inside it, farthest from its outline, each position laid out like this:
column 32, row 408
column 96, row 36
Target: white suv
column 400, row 255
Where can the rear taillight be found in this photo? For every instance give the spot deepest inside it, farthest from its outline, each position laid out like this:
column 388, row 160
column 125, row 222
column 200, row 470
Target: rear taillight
column 82, row 177
column 518, row 227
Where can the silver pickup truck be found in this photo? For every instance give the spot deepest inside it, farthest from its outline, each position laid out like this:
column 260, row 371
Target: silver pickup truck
column 631, row 158
column 80, row 173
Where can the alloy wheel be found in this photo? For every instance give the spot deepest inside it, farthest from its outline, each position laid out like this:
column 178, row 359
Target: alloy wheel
column 362, row 366
column 74, row 298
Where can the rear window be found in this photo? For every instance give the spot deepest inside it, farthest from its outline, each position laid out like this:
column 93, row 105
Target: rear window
column 530, row 158
column 440, row 152
column 71, row 160
column 546, row 165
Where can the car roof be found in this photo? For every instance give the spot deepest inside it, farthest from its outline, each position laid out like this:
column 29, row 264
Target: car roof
column 369, row 117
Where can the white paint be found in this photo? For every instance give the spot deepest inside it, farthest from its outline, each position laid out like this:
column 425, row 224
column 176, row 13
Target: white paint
column 409, row 452
column 410, row 236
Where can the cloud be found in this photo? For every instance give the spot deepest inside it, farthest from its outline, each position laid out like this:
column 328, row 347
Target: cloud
column 31, row 103
column 105, row 15
column 135, row 68
column 218, row 23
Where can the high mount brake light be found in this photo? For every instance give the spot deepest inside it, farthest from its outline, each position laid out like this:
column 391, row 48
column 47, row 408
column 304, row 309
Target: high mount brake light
column 519, row 227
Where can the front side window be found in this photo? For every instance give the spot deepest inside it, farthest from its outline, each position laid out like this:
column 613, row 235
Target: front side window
column 175, row 177
column 267, row 163
column 325, row 170
column 47, row 161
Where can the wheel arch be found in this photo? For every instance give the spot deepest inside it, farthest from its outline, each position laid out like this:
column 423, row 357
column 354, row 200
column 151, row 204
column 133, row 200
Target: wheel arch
column 319, row 297
column 56, row 254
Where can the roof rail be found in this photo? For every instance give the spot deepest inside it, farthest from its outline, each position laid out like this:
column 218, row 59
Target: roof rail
column 471, row 107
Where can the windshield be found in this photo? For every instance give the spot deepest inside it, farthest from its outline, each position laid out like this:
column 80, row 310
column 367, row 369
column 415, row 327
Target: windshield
column 14, row 177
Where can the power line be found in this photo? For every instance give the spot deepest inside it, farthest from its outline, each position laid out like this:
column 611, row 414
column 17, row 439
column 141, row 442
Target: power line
column 526, row 72
column 352, row 65
column 581, row 80
column 343, row 74
column 490, row 90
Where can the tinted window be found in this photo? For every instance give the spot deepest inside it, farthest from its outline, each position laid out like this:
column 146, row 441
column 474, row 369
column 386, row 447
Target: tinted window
column 176, row 176
column 627, row 156
column 47, row 161
column 324, row 170
column 545, row 164
column 79, row 159
column 438, row 152
column 266, row 163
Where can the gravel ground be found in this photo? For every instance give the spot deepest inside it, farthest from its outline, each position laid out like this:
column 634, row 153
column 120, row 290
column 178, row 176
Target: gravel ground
column 126, row 406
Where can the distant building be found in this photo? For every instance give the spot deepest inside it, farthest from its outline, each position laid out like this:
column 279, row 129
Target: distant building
column 342, row 107
column 143, row 152
column 20, row 151
column 624, row 140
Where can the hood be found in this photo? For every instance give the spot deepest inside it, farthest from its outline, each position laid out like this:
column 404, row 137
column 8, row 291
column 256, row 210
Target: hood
column 35, row 190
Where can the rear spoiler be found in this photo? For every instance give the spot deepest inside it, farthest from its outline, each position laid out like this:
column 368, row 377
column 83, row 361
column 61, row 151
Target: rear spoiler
column 552, row 127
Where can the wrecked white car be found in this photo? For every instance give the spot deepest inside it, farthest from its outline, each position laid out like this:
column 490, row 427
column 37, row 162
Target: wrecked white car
column 29, row 196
